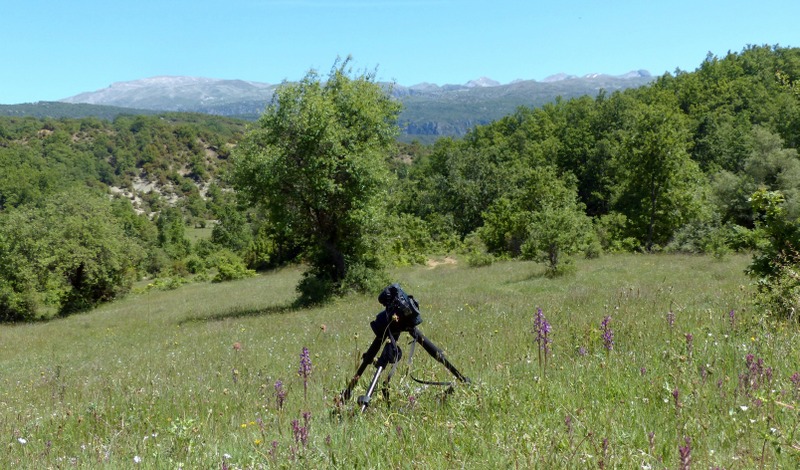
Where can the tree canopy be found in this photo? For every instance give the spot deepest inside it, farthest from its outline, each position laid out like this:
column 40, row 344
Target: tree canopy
column 317, row 162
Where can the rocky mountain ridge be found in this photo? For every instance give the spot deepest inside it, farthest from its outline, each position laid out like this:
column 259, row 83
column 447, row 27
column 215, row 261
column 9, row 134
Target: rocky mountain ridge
column 429, row 110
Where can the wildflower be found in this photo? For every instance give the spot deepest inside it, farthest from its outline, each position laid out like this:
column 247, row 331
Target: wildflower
column 280, row 394
column 756, row 375
column 300, row 433
column 686, row 454
column 605, row 453
column 732, row 318
column 541, row 328
column 305, row 369
column 608, row 333
column 689, row 339
column 137, row 459
column 582, row 351
column 671, row 318
column 22, row 440
column 676, row 394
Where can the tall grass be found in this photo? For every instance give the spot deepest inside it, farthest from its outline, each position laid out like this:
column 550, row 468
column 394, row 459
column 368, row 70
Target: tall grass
column 187, row 378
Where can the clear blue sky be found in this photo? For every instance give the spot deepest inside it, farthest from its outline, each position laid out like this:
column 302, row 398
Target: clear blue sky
column 56, row 49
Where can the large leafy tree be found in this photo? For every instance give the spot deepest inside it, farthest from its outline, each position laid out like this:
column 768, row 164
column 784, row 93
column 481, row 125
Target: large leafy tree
column 317, row 161
column 657, row 182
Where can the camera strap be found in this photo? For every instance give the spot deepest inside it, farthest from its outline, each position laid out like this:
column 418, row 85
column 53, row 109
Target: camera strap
column 423, row 382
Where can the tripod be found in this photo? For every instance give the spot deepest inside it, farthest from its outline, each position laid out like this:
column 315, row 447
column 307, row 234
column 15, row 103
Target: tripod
column 401, row 315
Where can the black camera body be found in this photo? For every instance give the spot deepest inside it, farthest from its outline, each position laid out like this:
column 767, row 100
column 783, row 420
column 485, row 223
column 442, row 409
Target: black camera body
column 401, row 313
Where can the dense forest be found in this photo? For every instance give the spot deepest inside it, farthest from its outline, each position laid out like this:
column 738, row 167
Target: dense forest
column 703, row 161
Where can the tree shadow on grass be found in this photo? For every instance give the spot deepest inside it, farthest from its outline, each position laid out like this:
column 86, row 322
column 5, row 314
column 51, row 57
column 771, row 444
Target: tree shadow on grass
column 241, row 312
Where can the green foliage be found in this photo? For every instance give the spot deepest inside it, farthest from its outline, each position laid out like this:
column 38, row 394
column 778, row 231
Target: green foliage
column 780, row 235
column 657, row 183
column 476, row 252
column 777, row 258
column 232, row 230
column 779, row 294
column 543, row 221
column 703, row 237
column 66, row 256
column 410, row 240
column 610, row 231
column 555, row 233
column 195, row 264
column 230, row 267
column 316, row 161
column 40, row 157
column 172, row 233
column 504, row 227
column 166, row 283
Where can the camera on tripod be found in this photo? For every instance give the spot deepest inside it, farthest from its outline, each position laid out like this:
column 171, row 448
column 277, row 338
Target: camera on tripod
column 401, row 314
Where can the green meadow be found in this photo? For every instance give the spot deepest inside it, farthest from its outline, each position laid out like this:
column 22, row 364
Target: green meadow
column 696, row 375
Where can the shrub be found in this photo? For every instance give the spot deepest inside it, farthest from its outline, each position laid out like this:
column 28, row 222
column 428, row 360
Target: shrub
column 194, row 264
column 230, row 267
column 409, row 240
column 555, row 234
column 610, row 230
column 476, row 252
column 776, row 261
column 69, row 255
column 779, row 294
column 702, row 237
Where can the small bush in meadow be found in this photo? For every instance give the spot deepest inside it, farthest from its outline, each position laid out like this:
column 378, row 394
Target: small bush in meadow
column 230, row 267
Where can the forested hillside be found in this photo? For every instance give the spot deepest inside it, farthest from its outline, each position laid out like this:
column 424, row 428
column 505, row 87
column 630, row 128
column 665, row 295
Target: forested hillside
column 670, row 166
column 89, row 206
column 649, row 165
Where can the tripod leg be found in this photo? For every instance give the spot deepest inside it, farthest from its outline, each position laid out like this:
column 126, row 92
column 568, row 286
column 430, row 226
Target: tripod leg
column 394, row 359
column 437, row 354
column 363, row 400
column 367, row 359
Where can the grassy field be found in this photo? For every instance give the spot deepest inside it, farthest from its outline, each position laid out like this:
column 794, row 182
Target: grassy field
column 187, row 378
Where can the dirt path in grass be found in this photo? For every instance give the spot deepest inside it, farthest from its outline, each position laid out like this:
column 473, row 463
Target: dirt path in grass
column 432, row 263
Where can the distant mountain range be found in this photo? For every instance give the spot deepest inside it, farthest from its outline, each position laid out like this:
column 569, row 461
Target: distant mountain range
column 429, row 110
